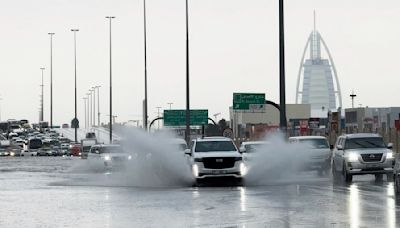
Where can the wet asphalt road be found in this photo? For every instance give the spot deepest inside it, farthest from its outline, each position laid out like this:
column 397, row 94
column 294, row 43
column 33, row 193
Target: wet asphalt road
column 48, row 192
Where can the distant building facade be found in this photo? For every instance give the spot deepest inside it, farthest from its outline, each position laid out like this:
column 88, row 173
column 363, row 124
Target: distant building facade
column 264, row 119
column 370, row 119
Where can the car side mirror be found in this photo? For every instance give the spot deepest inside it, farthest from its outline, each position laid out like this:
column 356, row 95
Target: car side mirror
column 339, row 147
column 188, row 152
column 331, row 146
column 390, row 146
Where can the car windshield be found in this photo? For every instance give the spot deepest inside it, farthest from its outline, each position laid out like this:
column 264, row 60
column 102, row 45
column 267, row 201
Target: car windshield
column 35, row 144
column 207, row 146
column 55, row 143
column 315, row 143
column 372, row 142
column 253, row 147
column 110, row 149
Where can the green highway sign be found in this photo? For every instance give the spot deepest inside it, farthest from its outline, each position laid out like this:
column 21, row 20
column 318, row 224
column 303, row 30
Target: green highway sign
column 248, row 101
column 178, row 117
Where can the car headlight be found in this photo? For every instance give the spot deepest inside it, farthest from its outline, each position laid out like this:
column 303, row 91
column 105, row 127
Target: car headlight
column 353, row 157
column 129, row 157
column 243, row 169
column 107, row 158
column 389, row 155
column 12, row 154
column 195, row 170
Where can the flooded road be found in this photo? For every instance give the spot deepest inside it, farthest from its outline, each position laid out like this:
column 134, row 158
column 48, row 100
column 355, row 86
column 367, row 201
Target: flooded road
column 51, row 192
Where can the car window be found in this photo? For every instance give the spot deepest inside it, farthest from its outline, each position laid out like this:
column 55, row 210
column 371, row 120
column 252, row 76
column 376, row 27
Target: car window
column 250, row 148
column 110, row 149
column 315, row 143
column 368, row 142
column 207, row 146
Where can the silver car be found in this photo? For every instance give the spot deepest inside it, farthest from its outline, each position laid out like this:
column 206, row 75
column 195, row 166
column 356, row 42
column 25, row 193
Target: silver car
column 358, row 154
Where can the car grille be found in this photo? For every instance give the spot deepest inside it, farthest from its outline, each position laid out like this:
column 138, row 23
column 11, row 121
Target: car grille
column 371, row 157
column 219, row 163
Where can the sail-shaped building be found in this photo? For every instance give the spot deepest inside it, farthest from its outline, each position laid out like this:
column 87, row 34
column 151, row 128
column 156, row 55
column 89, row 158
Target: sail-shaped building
column 317, row 81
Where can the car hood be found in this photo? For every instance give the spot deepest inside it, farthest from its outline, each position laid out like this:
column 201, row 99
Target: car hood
column 113, row 155
column 215, row 154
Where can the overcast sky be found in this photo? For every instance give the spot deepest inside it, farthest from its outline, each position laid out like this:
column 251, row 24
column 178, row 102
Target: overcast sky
column 233, row 45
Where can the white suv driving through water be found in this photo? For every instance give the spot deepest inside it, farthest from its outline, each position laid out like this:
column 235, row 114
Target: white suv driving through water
column 215, row 157
column 357, row 154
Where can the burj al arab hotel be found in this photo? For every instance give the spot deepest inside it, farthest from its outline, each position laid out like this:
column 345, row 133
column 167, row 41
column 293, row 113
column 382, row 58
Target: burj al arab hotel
column 317, row 81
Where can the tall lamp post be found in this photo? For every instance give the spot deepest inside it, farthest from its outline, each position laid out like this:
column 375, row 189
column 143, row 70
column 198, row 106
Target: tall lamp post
column 89, row 108
column 42, row 98
column 84, row 107
column 283, row 123
column 98, row 105
column 145, row 67
column 94, row 104
column 158, row 116
column 75, row 118
column 170, row 105
column 187, row 135
column 51, row 78
column 110, row 19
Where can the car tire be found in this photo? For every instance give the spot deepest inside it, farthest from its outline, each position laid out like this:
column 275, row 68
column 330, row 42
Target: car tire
column 378, row 177
column 335, row 174
column 396, row 185
column 347, row 177
column 390, row 177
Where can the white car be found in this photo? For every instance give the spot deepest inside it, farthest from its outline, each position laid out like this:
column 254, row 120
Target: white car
column 108, row 156
column 252, row 146
column 179, row 143
column 215, row 157
column 363, row 153
column 319, row 156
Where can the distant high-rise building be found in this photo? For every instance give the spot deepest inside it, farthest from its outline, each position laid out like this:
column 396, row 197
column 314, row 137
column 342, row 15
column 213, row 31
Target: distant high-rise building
column 315, row 83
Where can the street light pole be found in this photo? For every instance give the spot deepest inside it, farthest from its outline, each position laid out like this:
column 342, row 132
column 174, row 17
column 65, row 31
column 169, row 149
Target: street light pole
column 87, row 94
column 91, row 108
column 42, row 98
column 94, row 104
column 283, row 123
column 158, row 116
column 75, row 127
column 145, row 66
column 170, row 105
column 187, row 135
column 98, row 105
column 84, row 107
column 110, row 18
column 51, row 78
column 94, row 107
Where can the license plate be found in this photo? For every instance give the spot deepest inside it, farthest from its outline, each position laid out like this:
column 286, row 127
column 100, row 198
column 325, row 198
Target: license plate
column 218, row 171
column 372, row 166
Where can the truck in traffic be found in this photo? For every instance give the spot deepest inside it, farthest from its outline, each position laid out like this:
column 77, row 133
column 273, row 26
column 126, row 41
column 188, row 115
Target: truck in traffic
column 86, row 144
column 33, row 146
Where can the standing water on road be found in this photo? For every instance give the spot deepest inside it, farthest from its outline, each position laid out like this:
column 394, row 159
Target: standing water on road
column 156, row 162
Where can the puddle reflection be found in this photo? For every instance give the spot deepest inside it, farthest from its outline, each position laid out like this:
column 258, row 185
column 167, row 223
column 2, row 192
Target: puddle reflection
column 354, row 206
